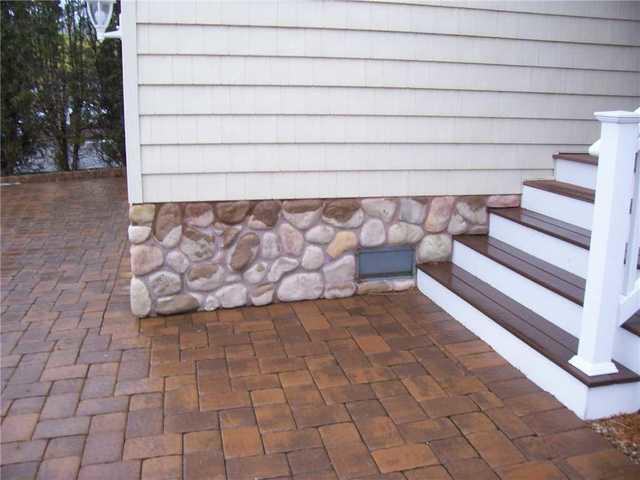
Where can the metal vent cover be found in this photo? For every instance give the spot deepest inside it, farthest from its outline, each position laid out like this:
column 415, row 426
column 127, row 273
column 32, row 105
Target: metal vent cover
column 385, row 262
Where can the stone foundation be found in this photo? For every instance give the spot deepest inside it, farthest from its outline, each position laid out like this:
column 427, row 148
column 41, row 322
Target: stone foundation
column 189, row 256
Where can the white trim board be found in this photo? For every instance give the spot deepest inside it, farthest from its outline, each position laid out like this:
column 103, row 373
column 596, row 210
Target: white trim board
column 626, row 349
column 555, row 308
column 560, row 207
column 129, row 39
column 576, row 173
column 557, row 252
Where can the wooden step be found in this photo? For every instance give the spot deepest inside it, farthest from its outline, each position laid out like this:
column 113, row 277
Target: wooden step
column 563, row 231
column 633, row 324
column 576, row 157
column 547, row 339
column 580, row 237
column 549, row 276
column 564, row 189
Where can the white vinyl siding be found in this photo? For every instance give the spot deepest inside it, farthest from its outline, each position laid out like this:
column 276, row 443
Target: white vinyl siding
column 313, row 98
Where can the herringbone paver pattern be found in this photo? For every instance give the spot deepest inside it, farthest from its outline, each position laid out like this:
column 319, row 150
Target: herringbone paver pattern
column 385, row 386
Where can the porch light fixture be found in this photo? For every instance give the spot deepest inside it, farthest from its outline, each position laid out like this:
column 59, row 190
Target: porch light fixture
column 100, row 12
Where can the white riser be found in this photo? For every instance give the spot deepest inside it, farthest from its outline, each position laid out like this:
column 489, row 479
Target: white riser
column 567, row 209
column 626, row 349
column 549, row 305
column 586, row 403
column 576, row 173
column 564, row 255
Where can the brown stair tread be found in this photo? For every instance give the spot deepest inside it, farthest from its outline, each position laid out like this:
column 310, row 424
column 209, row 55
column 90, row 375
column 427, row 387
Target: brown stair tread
column 564, row 231
column 576, row 157
column 546, row 338
column 577, row 236
column 633, row 324
column 564, row 189
column 549, row 276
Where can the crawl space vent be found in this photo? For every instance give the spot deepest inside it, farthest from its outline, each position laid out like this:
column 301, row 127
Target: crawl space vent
column 387, row 262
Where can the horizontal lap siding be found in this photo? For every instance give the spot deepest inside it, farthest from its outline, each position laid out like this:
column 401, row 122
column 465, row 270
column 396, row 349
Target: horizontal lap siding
column 326, row 99
column 247, row 129
column 313, row 100
column 258, row 185
column 161, row 159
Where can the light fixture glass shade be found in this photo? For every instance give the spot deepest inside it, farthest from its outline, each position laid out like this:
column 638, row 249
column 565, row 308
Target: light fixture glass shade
column 100, row 15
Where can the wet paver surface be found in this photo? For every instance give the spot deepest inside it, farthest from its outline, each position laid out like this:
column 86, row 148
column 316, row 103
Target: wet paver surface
column 378, row 386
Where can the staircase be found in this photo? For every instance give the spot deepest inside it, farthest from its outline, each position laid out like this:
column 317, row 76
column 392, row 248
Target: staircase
column 521, row 288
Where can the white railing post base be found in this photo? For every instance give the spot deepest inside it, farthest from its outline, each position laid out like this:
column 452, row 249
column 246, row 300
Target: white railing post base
column 611, row 231
column 592, row 369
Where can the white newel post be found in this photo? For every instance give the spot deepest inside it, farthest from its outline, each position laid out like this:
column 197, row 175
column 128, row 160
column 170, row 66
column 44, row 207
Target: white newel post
column 611, row 223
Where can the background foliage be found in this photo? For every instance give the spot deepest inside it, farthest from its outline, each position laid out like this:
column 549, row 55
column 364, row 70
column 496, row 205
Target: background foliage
column 60, row 88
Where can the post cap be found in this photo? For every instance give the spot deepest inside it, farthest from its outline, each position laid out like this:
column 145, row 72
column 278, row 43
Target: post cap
column 618, row 116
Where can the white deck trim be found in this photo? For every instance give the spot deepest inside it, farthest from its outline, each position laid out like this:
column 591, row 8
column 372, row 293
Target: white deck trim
column 567, row 209
column 128, row 27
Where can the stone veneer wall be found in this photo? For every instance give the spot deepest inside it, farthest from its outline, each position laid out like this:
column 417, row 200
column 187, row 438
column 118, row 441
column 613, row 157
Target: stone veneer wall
column 228, row 254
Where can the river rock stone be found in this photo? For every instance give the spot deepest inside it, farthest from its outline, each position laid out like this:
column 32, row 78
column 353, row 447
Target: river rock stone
column 345, row 213
column 198, row 214
column 439, row 214
column 473, row 209
column 343, row 241
column 197, row 245
column 281, row 266
column 139, row 297
column 232, row 213
column 205, row 276
column 377, row 286
column 211, row 303
column 400, row 284
column 320, row 234
column 340, row 273
column 164, row 283
column 181, row 303
column 478, row 229
column 372, row 233
column 412, row 211
column 169, row 217
column 341, row 210
column 232, row 296
column 300, row 286
column 313, row 258
column 341, row 291
column 414, row 233
column 138, row 234
column 404, row 233
column 265, row 214
column 256, row 273
column 262, row 295
column 302, row 213
column 434, row 248
column 457, row 225
column 172, row 238
column 381, row 208
column 339, row 278
column 291, row 240
column 270, row 246
column 503, row 201
column 229, row 235
column 178, row 261
column 244, row 252
column 233, row 278
column 142, row 214
column 145, row 259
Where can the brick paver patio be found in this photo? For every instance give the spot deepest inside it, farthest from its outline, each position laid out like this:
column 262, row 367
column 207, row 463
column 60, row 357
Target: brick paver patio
column 384, row 386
